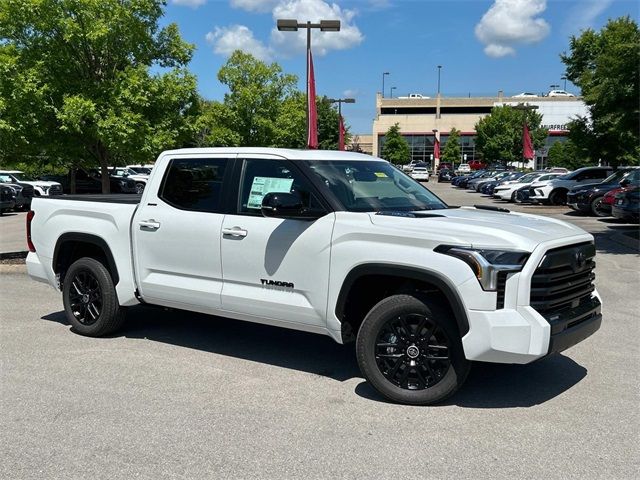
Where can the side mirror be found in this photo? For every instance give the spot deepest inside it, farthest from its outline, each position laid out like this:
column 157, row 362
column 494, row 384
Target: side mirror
column 286, row 205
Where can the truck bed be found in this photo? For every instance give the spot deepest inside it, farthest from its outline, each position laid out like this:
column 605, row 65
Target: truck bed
column 122, row 198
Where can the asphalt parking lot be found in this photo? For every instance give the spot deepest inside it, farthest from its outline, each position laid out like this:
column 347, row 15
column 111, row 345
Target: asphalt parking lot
column 181, row 395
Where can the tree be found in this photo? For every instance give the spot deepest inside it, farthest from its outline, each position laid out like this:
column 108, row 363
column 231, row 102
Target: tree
column 499, row 134
column 566, row 154
column 604, row 65
column 76, row 85
column 395, row 149
column 257, row 91
column 452, row 151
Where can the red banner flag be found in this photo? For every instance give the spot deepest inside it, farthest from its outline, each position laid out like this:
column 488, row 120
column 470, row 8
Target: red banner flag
column 527, row 146
column 312, row 120
column 341, row 135
column 436, row 147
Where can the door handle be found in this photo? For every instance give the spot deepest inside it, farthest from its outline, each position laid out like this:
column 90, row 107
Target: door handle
column 149, row 224
column 234, row 232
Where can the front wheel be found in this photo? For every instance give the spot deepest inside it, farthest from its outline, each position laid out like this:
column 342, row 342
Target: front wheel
column 139, row 188
column 410, row 351
column 596, row 207
column 90, row 299
column 558, row 197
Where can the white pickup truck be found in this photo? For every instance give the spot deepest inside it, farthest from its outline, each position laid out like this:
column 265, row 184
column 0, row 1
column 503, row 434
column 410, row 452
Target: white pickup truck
column 336, row 243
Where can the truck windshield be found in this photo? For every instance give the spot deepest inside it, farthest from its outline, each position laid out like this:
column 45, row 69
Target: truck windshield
column 373, row 186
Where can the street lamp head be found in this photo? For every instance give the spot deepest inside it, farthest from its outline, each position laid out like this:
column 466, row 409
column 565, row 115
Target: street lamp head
column 287, row 25
column 329, row 25
column 386, row 73
column 349, row 100
column 435, row 130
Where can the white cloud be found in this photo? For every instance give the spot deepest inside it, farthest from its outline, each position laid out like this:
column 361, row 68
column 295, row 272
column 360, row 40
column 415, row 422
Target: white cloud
column 509, row 23
column 351, row 93
column 189, row 3
column 588, row 11
column 260, row 6
column 226, row 40
column 284, row 44
column 289, row 43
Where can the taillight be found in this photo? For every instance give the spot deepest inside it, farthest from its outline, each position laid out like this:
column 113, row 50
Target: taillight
column 30, row 215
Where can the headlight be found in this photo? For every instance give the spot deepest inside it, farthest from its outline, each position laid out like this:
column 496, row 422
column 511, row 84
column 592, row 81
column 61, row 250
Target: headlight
column 486, row 264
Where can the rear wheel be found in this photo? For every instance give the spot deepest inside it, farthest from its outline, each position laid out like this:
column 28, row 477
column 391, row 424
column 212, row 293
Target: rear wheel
column 90, row 299
column 410, row 351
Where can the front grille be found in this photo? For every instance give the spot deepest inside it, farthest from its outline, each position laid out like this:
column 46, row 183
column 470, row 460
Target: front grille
column 502, row 285
column 55, row 190
column 564, row 280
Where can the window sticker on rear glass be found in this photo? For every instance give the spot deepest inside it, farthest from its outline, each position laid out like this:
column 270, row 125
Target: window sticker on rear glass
column 380, row 174
column 263, row 185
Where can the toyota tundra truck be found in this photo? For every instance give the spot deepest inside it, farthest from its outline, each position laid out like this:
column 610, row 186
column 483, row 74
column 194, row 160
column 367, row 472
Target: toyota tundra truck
column 336, row 243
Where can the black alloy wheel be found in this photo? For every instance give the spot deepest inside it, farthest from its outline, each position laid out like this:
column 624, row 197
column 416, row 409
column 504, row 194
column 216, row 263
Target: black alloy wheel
column 90, row 298
column 139, row 188
column 409, row 349
column 412, row 352
column 85, row 297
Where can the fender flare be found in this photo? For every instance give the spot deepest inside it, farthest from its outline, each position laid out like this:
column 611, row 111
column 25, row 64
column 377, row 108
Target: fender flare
column 428, row 276
column 90, row 239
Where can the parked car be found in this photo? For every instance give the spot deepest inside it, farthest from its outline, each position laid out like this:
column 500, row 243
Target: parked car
column 445, row 175
column 489, row 187
column 559, row 93
column 464, row 180
column 89, row 181
column 495, row 176
column 588, row 198
column 464, row 168
column 555, row 191
column 477, row 165
column 508, row 190
column 444, row 166
column 525, row 95
column 329, row 242
column 40, row 187
column 141, row 169
column 127, row 173
column 7, row 198
column 483, row 177
column 627, row 205
column 420, row 173
column 409, row 166
column 23, row 192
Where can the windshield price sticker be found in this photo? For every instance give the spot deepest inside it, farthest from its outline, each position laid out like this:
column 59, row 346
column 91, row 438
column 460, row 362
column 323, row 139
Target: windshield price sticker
column 263, row 185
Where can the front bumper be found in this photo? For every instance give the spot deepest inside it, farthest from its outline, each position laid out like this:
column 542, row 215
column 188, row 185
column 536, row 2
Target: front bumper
column 518, row 333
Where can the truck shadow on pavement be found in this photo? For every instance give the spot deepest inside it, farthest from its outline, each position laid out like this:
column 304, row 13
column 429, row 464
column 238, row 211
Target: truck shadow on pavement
column 306, row 352
column 493, row 385
column 488, row 385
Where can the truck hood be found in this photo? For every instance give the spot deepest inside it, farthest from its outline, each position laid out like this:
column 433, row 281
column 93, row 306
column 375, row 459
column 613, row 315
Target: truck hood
column 478, row 228
column 41, row 183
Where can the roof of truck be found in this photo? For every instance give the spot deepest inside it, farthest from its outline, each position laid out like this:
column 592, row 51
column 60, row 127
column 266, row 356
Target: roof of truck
column 287, row 153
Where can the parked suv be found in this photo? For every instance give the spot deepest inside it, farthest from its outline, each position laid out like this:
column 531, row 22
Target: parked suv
column 38, row 187
column 588, row 197
column 23, row 192
column 329, row 242
column 555, row 191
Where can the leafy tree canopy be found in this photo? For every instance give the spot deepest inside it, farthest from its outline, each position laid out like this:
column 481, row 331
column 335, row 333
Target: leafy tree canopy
column 75, row 82
column 606, row 67
column 499, row 134
column 395, row 149
column 452, row 150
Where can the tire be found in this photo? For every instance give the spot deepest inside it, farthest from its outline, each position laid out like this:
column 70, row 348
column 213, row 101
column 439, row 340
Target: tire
column 513, row 197
column 595, row 207
column 399, row 327
column 140, row 188
column 90, row 299
column 558, row 197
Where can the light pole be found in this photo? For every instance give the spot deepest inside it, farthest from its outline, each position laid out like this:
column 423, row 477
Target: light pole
column 391, row 91
column 383, row 75
column 553, row 87
column 340, row 101
column 288, row 25
column 525, row 108
column 564, row 77
column 439, row 69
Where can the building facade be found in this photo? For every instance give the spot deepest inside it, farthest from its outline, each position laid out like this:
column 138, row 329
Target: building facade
column 420, row 118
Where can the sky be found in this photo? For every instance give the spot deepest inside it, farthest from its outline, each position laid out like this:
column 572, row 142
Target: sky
column 482, row 45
